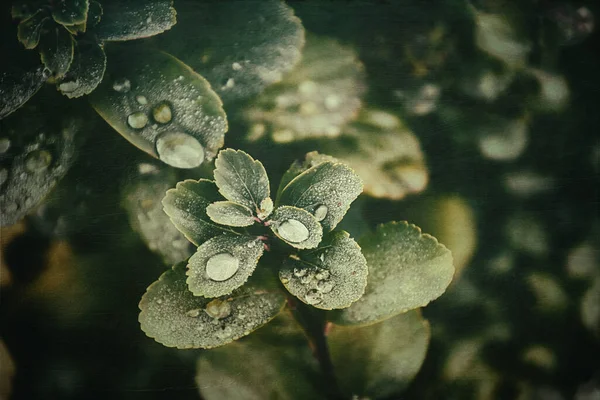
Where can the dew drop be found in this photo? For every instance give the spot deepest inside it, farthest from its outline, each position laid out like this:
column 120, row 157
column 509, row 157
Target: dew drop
column 3, row 176
column 229, row 84
column 293, row 231
column 180, row 150
column 141, row 100
column 306, row 279
column 236, row 66
column 69, row 86
column 162, row 113
column 321, row 212
column 322, row 257
column 193, row 313
column 218, row 309
column 137, row 120
column 159, row 301
column 4, row 145
column 324, row 286
column 322, row 275
column 122, row 85
column 285, row 280
column 299, row 272
column 222, row 266
column 226, row 332
column 313, row 296
column 38, row 160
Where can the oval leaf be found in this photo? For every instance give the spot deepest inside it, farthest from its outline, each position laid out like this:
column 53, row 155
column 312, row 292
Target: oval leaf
column 186, row 206
column 57, row 50
column 384, row 153
column 273, row 363
column 161, row 106
column 142, row 200
column 296, row 227
column 334, row 275
column 86, row 71
column 379, row 361
column 37, row 151
column 18, row 84
column 241, row 62
column 230, row 213
column 70, row 12
column 29, row 30
column 407, row 270
column 314, row 100
column 325, row 190
column 222, row 264
column 174, row 317
column 241, row 179
column 128, row 20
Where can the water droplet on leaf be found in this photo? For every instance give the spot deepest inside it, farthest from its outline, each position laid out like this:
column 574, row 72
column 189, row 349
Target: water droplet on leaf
column 3, row 176
column 180, row 150
column 221, row 267
column 293, row 231
column 218, row 309
column 299, row 272
column 122, row 85
column 162, row 113
column 313, row 297
column 322, row 275
column 324, row 286
column 137, row 120
column 38, row 160
column 321, row 212
column 141, row 100
column 236, row 66
column 4, row 145
column 193, row 313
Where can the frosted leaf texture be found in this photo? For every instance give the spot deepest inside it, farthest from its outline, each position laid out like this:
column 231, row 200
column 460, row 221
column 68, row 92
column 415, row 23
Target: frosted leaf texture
column 17, row 86
column 241, row 179
column 174, row 317
column 327, row 187
column 86, row 71
column 57, row 50
column 70, row 12
column 189, row 134
column 311, row 159
column 212, row 270
column 407, row 270
column 334, row 275
column 379, row 360
column 36, row 151
column 241, row 62
column 128, row 20
column 186, row 206
column 384, row 153
column 271, row 364
column 142, row 200
column 230, row 213
column 296, row 227
column 314, row 100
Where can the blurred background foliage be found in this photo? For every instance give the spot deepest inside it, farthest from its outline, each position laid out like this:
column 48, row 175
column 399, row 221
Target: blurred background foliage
column 478, row 121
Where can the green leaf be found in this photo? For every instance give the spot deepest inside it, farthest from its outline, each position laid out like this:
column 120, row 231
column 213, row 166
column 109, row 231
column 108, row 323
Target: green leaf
column 407, row 270
column 379, row 361
column 57, row 50
column 161, row 106
column 273, row 363
column 239, row 63
column 296, row 227
column 18, row 84
column 186, row 206
column 94, row 14
column 383, row 152
column 135, row 19
column 242, row 179
column 325, row 190
column 230, row 214
column 142, row 200
column 310, row 160
column 334, row 275
column 315, row 100
column 86, row 72
column 30, row 29
column 23, row 9
column 38, row 150
column 173, row 316
column 223, row 264
column 70, row 12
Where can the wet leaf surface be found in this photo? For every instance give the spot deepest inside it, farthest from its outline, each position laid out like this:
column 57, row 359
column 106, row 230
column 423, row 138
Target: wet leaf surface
column 134, row 19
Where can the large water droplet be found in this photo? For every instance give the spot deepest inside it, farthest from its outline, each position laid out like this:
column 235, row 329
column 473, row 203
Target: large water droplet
column 321, row 212
column 122, row 85
column 162, row 113
column 221, row 267
column 137, row 120
column 4, row 145
column 218, row 309
column 193, row 313
column 180, row 150
column 38, row 160
column 313, row 296
column 324, row 286
column 293, row 231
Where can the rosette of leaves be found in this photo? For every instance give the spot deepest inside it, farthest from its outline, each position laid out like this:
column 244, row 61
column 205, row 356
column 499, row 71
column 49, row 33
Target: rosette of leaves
column 70, row 34
column 245, row 240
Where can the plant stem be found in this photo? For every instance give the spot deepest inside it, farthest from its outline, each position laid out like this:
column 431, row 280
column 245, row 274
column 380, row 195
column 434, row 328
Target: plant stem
column 313, row 323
